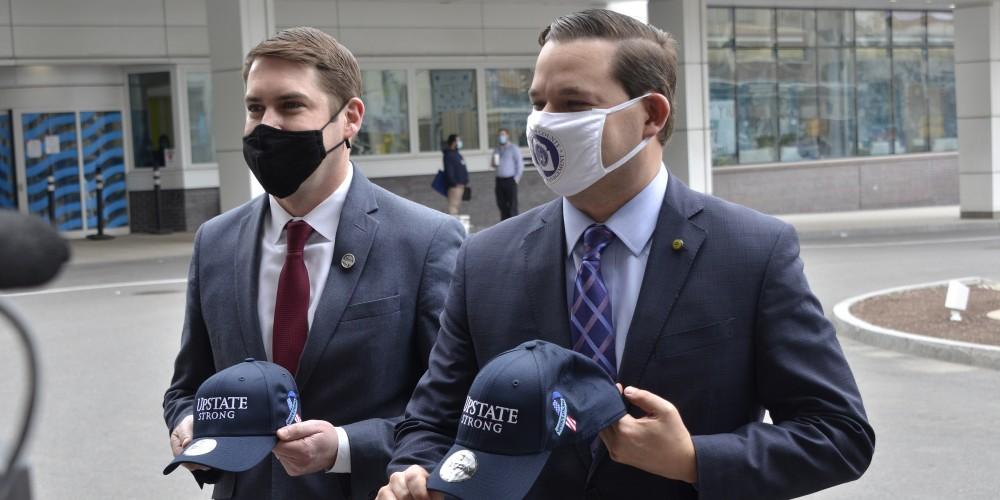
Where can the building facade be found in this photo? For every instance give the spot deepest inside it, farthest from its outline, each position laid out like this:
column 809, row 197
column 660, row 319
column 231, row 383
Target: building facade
column 782, row 105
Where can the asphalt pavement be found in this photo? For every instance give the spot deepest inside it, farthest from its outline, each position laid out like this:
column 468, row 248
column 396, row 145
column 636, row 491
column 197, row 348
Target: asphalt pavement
column 109, row 326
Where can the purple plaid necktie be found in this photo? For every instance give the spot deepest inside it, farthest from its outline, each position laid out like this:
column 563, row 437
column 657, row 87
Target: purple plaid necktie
column 590, row 315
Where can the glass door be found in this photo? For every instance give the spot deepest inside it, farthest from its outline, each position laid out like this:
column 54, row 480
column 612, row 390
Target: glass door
column 72, row 148
column 51, row 149
column 8, row 177
column 104, row 153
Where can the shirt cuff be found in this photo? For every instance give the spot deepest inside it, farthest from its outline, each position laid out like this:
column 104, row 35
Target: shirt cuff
column 342, row 465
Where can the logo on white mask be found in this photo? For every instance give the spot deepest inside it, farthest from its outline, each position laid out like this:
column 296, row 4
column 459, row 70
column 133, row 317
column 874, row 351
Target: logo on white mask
column 547, row 152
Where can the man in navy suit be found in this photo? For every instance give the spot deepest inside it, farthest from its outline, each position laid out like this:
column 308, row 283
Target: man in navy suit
column 698, row 307
column 328, row 275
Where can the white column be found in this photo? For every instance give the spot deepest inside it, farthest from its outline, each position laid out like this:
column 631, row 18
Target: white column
column 977, row 90
column 688, row 154
column 234, row 27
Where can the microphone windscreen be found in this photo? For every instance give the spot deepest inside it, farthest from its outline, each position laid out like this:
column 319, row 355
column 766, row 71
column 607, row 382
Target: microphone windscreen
column 31, row 251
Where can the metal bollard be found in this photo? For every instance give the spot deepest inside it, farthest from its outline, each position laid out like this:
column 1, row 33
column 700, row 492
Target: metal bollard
column 51, row 194
column 157, row 201
column 100, row 210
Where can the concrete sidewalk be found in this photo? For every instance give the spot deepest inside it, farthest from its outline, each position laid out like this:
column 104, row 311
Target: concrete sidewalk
column 894, row 222
column 838, row 225
column 132, row 247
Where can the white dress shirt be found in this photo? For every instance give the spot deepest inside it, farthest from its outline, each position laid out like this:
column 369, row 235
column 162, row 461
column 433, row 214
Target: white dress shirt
column 623, row 262
column 318, row 254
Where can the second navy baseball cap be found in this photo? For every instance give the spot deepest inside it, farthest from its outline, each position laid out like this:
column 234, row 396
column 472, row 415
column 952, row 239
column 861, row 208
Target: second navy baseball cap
column 523, row 404
column 236, row 414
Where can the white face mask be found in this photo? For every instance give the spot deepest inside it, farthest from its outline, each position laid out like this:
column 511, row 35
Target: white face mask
column 566, row 147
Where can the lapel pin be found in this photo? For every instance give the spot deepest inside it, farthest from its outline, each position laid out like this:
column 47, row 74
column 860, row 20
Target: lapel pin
column 678, row 245
column 347, row 261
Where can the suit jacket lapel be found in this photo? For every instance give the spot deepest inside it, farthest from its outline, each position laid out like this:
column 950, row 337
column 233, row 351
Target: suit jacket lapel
column 545, row 272
column 247, row 273
column 666, row 272
column 355, row 234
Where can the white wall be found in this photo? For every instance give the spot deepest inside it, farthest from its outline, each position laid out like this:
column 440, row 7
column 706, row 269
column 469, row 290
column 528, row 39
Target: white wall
column 133, row 31
column 425, row 28
column 150, row 31
column 54, row 88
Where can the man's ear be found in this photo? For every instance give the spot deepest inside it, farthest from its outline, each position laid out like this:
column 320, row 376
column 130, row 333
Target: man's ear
column 657, row 112
column 354, row 113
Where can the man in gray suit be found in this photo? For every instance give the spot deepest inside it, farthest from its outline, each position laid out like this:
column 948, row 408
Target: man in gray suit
column 334, row 278
column 698, row 307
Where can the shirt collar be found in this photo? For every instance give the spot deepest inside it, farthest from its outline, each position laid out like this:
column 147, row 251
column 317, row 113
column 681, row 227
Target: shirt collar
column 633, row 223
column 324, row 219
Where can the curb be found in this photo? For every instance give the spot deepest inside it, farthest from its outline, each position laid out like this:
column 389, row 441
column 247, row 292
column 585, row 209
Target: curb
column 954, row 351
column 843, row 234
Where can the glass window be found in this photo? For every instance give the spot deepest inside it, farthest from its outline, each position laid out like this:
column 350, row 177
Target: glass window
column 754, row 27
column 798, row 116
column 386, row 127
column 874, row 95
column 151, row 108
column 908, row 28
column 722, row 105
column 872, row 27
column 943, row 124
column 940, row 28
column 908, row 71
column 507, row 103
column 446, row 104
column 836, row 103
column 803, row 84
column 835, row 28
column 756, row 105
column 199, row 92
column 720, row 27
column 796, row 28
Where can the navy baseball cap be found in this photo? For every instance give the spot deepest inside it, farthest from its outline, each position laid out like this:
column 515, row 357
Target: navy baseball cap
column 236, row 414
column 523, row 404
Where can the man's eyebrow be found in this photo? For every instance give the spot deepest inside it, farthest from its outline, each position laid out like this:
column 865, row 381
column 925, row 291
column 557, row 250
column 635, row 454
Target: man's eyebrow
column 573, row 91
column 291, row 96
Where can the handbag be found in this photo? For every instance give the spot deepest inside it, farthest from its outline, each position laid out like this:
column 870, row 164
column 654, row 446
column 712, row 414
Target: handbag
column 440, row 184
column 467, row 194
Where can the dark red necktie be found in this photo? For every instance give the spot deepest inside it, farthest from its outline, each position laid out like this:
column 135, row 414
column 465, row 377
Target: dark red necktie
column 291, row 307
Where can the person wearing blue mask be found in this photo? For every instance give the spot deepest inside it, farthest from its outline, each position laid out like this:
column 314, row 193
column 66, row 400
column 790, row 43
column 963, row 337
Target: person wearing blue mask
column 455, row 173
column 326, row 274
column 698, row 307
column 509, row 166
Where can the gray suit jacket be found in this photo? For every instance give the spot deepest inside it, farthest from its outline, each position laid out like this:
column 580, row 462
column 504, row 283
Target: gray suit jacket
column 369, row 340
column 724, row 328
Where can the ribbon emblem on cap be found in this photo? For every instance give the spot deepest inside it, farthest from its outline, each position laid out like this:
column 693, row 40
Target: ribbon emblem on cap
column 293, row 408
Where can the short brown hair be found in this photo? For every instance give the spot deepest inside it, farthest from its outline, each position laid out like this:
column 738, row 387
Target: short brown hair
column 339, row 74
column 646, row 58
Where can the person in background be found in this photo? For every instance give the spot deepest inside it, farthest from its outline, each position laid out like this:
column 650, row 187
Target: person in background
column 455, row 173
column 509, row 166
column 161, row 150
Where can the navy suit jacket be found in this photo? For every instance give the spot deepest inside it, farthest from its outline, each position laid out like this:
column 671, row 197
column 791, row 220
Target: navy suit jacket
column 369, row 339
column 724, row 328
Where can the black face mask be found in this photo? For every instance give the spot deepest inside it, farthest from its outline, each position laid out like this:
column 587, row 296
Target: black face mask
column 282, row 160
